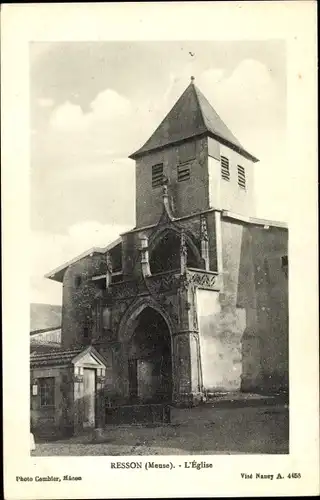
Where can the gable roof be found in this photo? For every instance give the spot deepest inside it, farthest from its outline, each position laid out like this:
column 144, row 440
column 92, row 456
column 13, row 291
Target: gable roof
column 58, row 357
column 54, row 357
column 58, row 273
column 191, row 116
column 93, row 353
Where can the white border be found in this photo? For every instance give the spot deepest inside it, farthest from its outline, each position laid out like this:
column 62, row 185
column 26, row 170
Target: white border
column 296, row 23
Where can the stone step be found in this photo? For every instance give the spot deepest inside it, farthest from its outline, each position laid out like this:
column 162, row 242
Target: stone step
column 138, row 414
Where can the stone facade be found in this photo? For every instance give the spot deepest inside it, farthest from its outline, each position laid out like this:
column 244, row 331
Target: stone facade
column 194, row 299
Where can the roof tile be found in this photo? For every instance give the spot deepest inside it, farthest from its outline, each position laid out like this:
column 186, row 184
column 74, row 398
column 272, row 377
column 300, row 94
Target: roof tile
column 191, row 116
column 54, row 357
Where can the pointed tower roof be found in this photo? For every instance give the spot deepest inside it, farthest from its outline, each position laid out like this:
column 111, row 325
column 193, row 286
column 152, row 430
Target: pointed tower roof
column 191, row 116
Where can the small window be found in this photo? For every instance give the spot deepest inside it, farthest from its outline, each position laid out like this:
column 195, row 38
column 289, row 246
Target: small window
column 87, row 326
column 46, row 391
column 86, row 331
column 225, row 171
column 157, row 175
column 284, row 264
column 241, row 177
column 183, row 172
column 77, row 281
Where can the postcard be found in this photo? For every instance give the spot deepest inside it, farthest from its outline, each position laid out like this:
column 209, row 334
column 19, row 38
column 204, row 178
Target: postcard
column 160, row 245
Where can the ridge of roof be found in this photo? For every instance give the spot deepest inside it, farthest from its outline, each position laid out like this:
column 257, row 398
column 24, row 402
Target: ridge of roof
column 44, row 330
column 59, row 352
column 62, row 268
column 207, row 110
column 254, row 220
column 53, row 357
column 167, row 132
column 191, row 116
column 63, row 356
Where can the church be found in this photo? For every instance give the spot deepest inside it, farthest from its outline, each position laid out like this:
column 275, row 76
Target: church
column 191, row 302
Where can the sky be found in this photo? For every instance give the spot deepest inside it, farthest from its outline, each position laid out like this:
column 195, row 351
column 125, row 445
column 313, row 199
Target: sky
column 93, row 104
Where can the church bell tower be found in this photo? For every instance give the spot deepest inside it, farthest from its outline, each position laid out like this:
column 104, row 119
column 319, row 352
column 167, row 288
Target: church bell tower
column 206, row 167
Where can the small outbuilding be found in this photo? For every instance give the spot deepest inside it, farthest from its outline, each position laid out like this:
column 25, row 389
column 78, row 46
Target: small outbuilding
column 67, row 391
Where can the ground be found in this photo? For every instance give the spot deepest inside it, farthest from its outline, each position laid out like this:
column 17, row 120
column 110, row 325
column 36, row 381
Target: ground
column 200, row 431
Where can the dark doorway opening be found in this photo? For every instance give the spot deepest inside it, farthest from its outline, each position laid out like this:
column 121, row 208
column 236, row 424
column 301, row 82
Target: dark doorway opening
column 166, row 255
column 150, row 364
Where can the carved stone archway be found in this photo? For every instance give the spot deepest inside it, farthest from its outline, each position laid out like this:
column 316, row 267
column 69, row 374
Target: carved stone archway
column 157, row 243
column 128, row 320
column 160, row 232
column 136, row 330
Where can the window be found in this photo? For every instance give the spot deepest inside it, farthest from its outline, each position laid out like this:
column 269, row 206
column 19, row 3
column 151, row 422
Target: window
column 225, row 172
column 46, row 391
column 87, row 325
column 183, row 172
column 284, row 264
column 157, row 175
column 241, row 177
column 77, row 281
column 86, row 331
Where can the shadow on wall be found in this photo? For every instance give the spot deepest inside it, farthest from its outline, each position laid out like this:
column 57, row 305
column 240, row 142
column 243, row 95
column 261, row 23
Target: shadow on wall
column 244, row 330
column 263, row 292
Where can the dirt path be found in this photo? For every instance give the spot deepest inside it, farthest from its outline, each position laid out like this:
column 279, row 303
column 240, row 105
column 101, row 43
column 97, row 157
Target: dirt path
column 222, row 431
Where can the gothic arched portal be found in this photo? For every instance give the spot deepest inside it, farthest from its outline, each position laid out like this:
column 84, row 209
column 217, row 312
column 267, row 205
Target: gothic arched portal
column 150, row 358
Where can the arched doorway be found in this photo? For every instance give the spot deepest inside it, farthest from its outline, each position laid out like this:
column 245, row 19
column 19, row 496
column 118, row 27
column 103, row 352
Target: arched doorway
column 150, row 363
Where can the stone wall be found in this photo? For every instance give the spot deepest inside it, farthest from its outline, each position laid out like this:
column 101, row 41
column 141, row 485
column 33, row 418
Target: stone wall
column 226, row 194
column 57, row 419
column 254, row 282
column 189, row 196
column 78, row 293
column 271, row 285
column 220, row 331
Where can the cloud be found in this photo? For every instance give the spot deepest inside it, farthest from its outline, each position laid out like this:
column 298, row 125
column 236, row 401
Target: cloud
column 212, row 76
column 84, row 235
column 108, row 108
column 78, row 137
column 68, row 118
column 250, row 103
column 44, row 102
column 109, row 105
column 106, row 169
column 49, row 251
column 246, row 99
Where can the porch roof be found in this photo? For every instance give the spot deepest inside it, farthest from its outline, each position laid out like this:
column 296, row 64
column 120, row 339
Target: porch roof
column 59, row 357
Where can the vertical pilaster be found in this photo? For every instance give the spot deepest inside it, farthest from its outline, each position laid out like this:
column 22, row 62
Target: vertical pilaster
column 183, row 254
column 145, row 266
column 108, row 270
column 204, row 242
column 187, row 369
column 100, row 404
column 217, row 216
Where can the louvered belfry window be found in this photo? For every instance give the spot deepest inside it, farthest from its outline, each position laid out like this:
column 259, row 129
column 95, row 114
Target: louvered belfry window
column 241, row 177
column 157, row 175
column 183, row 172
column 225, row 171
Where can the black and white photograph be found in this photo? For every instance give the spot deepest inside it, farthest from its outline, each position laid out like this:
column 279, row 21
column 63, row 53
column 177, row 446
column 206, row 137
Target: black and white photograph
column 162, row 328
column 159, row 214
